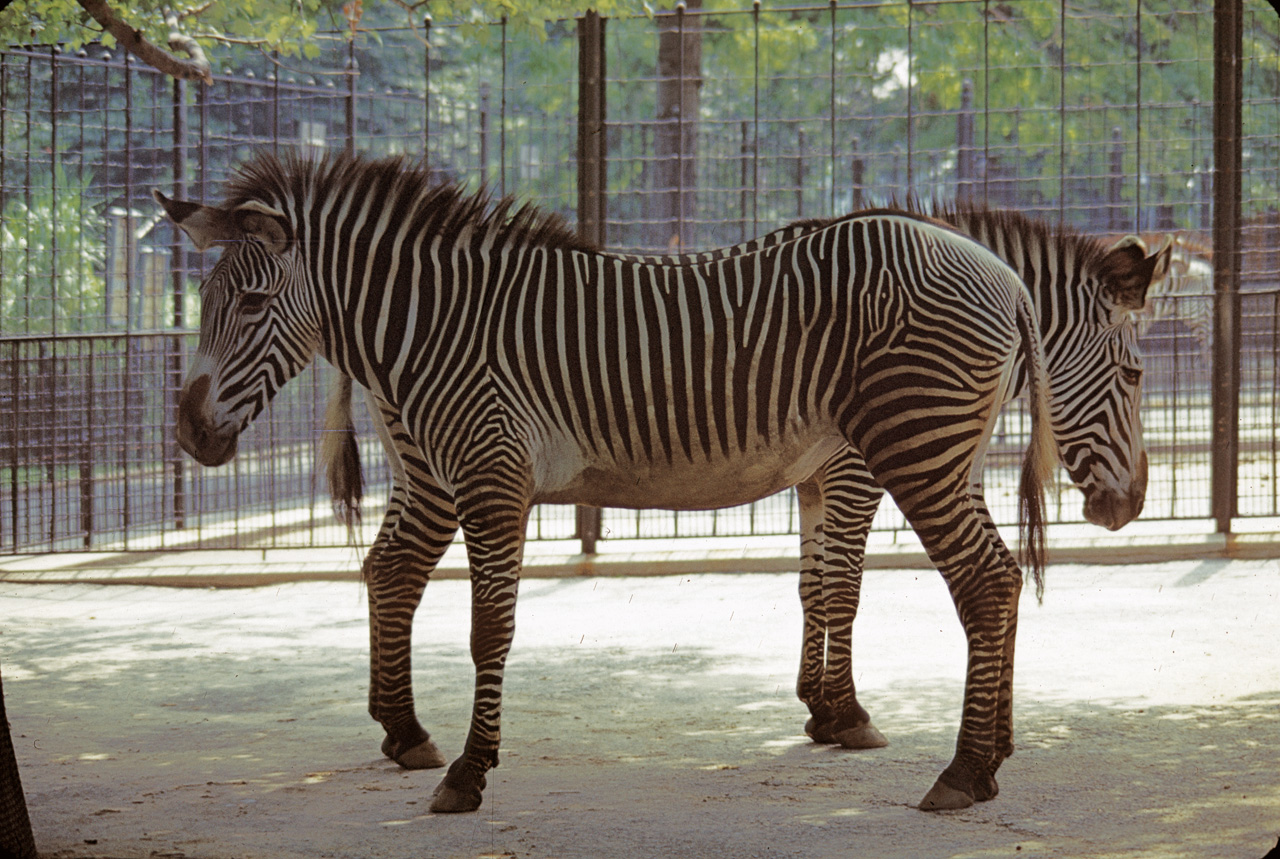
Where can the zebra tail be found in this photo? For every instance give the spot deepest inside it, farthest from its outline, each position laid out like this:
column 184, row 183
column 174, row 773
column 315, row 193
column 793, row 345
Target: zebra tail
column 341, row 456
column 1041, row 457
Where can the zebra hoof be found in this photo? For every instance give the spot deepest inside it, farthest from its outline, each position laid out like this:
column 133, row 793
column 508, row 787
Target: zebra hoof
column 424, row 756
column 861, row 737
column 820, row 733
column 459, row 791
column 943, row 798
column 421, row 755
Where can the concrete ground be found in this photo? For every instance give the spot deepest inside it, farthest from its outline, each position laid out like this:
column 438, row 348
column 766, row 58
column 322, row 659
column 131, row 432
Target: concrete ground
column 647, row 717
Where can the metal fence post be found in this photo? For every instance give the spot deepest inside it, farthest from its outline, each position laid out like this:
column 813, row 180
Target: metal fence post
column 178, row 275
column 592, row 183
column 1227, row 89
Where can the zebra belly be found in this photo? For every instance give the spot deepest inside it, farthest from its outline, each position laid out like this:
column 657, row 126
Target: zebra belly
column 684, row 485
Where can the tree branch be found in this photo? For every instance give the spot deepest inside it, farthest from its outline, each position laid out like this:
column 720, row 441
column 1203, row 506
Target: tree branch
column 134, row 42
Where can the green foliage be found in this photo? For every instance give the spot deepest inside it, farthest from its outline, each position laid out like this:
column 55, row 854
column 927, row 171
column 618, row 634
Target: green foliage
column 287, row 27
column 52, row 259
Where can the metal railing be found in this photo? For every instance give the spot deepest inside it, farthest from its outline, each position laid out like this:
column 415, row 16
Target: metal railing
column 645, row 143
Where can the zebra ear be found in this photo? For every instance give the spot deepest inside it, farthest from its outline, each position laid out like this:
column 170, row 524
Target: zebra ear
column 266, row 224
column 1128, row 271
column 204, row 225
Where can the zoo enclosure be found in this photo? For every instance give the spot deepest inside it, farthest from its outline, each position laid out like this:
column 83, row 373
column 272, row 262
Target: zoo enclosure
column 705, row 128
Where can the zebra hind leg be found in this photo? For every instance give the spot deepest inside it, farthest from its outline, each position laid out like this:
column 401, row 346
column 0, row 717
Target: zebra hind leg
column 850, row 498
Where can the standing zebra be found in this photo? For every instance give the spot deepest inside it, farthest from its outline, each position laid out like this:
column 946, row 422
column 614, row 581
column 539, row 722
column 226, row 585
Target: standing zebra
column 523, row 366
column 1085, row 293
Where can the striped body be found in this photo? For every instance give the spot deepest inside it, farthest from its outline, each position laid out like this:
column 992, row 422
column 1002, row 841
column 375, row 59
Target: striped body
column 514, row 366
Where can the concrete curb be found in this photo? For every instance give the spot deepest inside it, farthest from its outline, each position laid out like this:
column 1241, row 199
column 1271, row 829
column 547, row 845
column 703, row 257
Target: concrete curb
column 258, row 568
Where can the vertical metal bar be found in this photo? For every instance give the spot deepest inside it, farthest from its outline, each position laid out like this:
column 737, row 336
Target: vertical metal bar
column 353, row 71
column 1275, row 401
column 27, row 315
column 799, row 174
column 4, row 137
column 14, row 428
column 177, row 275
column 502, row 117
column 484, row 133
column 833, row 108
column 1115, row 182
column 592, row 184
column 275, row 105
column 52, row 377
column 426, row 92
column 680, row 153
column 1062, row 113
column 127, row 376
column 744, row 167
column 755, row 122
column 53, row 187
column 88, row 486
column 856, row 167
column 964, row 142
column 986, row 99
column 1227, row 89
column 911, row 122
column 1137, row 172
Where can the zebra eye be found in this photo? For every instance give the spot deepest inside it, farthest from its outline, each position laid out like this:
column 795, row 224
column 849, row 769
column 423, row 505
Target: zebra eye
column 253, row 302
column 1131, row 375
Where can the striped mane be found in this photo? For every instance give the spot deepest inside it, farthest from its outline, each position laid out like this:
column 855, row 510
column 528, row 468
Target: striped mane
column 441, row 208
column 1086, row 251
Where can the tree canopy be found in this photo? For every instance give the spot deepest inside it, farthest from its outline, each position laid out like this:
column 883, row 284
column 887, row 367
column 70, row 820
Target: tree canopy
column 158, row 31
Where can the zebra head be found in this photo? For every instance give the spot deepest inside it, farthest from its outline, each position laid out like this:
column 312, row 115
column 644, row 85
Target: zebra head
column 257, row 330
column 1101, row 367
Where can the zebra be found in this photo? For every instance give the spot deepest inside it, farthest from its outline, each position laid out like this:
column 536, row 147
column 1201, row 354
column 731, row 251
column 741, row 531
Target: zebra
column 520, row 365
column 1084, row 298
column 1088, row 295
column 1186, row 295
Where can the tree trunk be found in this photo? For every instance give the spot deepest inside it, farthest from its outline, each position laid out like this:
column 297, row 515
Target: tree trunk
column 675, row 174
column 15, row 826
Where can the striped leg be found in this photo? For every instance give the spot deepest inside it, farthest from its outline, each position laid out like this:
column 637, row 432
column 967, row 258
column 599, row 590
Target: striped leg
column 850, row 498
column 927, row 463
column 985, row 592
column 494, row 511
column 1004, row 724
column 418, row 527
column 813, row 650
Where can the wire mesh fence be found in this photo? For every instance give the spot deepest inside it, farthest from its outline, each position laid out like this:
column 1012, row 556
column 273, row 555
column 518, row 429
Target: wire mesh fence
column 720, row 125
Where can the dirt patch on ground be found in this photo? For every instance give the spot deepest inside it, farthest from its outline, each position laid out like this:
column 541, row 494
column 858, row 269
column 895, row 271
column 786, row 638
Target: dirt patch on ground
column 647, row 717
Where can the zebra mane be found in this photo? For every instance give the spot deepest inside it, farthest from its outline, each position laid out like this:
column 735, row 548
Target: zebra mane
column 1087, row 251
column 980, row 222
column 442, row 207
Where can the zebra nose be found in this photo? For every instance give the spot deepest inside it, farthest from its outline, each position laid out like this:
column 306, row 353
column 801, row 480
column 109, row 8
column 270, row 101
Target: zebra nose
column 193, row 431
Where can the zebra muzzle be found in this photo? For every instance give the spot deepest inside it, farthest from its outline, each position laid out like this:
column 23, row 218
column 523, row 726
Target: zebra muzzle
column 1113, row 509
column 195, row 435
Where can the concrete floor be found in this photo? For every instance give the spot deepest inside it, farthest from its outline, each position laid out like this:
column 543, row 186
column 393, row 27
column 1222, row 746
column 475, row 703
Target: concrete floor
column 647, row 717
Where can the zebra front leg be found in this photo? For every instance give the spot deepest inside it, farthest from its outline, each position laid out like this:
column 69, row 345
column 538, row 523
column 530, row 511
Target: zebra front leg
column 850, row 500
column 417, row 529
column 495, row 545
column 394, row 595
column 813, row 648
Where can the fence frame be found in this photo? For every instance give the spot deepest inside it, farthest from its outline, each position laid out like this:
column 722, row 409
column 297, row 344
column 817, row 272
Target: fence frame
column 593, row 194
